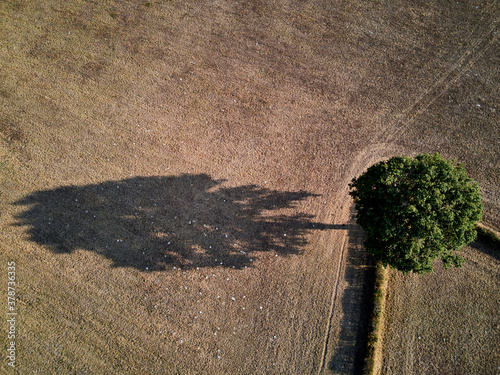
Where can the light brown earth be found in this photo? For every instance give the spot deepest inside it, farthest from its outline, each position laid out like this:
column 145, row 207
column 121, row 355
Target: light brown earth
column 448, row 322
column 126, row 125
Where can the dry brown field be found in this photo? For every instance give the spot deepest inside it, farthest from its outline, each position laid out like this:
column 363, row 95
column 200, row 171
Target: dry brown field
column 173, row 175
column 447, row 322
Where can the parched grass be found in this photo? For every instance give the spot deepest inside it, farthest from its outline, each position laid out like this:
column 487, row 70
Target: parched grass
column 432, row 318
column 372, row 362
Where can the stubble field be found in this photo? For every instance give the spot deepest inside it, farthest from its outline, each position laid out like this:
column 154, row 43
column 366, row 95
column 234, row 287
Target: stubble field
column 174, row 174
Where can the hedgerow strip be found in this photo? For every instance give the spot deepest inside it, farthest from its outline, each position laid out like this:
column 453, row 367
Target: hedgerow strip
column 373, row 354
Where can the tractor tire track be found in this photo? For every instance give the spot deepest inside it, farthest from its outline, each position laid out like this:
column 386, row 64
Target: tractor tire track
column 335, row 295
column 368, row 156
column 442, row 85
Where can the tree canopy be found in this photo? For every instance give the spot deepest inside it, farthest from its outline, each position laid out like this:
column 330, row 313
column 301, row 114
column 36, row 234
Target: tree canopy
column 415, row 210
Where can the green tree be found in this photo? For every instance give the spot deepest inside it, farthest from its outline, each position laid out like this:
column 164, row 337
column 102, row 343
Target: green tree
column 415, row 210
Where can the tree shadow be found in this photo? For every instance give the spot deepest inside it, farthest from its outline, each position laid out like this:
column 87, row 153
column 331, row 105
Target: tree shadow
column 486, row 245
column 357, row 302
column 150, row 223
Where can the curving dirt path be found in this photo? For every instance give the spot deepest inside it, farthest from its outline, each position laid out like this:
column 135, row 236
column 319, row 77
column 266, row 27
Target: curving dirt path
column 341, row 351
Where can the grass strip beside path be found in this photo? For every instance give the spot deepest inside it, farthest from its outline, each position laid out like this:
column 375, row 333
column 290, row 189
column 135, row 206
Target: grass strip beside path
column 373, row 353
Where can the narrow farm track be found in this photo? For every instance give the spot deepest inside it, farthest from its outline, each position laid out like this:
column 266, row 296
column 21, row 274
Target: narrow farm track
column 335, row 295
column 339, row 318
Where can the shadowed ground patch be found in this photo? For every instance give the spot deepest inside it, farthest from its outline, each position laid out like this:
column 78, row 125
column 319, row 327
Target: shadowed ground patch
column 151, row 222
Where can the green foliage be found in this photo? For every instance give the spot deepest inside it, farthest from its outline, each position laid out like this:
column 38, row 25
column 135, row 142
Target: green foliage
column 415, row 210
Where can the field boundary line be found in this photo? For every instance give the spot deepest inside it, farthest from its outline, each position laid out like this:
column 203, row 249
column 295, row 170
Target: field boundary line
column 376, row 329
column 375, row 336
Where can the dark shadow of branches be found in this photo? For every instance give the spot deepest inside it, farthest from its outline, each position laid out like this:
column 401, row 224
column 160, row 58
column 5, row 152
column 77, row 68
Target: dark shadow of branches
column 152, row 222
